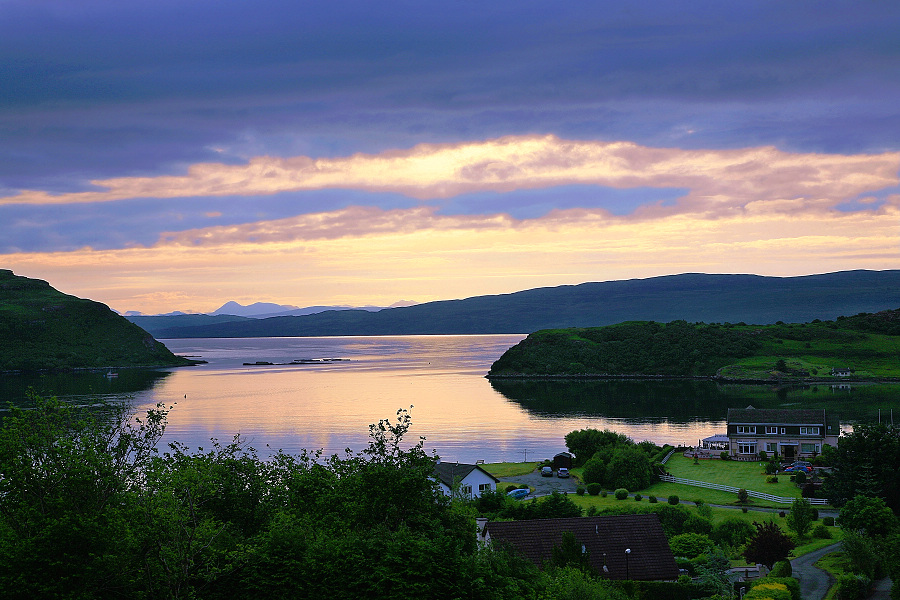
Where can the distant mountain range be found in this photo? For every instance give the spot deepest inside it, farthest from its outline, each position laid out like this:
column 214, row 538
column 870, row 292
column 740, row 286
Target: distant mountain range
column 694, row 297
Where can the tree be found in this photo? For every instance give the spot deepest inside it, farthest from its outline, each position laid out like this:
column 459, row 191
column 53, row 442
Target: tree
column 868, row 516
column 801, row 517
column 864, row 463
column 629, row 468
column 768, row 545
column 594, row 470
column 585, row 443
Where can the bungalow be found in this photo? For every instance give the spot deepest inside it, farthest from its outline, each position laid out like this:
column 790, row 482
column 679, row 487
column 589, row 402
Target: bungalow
column 841, row 372
column 630, row 547
column 792, row 433
column 468, row 481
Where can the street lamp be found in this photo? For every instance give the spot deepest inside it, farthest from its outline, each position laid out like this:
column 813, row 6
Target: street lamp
column 627, row 552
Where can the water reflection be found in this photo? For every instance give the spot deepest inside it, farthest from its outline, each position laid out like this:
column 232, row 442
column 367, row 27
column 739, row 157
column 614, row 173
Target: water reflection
column 116, row 384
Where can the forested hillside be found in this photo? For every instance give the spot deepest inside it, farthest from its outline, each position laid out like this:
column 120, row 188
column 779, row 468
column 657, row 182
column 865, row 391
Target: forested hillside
column 867, row 344
column 42, row 328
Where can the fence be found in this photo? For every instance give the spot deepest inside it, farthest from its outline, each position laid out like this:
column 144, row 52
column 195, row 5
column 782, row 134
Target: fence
column 728, row 488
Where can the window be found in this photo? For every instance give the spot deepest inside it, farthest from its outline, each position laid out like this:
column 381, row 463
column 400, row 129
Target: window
column 771, row 447
column 810, row 448
column 771, row 430
column 746, row 448
column 809, row 431
column 746, row 428
column 483, row 487
column 466, row 490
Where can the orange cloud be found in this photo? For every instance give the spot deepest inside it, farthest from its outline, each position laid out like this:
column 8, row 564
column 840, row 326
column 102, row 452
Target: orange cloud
column 719, row 181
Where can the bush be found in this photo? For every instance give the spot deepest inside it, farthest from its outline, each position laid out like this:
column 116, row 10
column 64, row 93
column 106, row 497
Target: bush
column 580, row 490
column 652, row 499
column 815, row 514
column 733, row 531
column 724, row 455
column 603, row 494
column 673, row 500
column 763, row 456
column 524, row 486
column 638, row 497
column 828, row 521
column 781, row 513
column 771, row 468
column 744, row 509
column 689, row 545
column 742, row 495
column 698, row 524
column 852, row 587
column 821, row 532
column 781, row 569
column 594, row 488
column 800, row 477
column 510, row 488
column 771, row 478
column 621, row 494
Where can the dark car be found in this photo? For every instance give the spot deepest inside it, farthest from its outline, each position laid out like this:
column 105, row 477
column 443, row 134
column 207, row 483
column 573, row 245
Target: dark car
column 546, row 472
column 562, row 472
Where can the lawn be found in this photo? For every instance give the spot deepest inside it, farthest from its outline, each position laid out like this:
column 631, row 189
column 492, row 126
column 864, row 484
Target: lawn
column 501, row 470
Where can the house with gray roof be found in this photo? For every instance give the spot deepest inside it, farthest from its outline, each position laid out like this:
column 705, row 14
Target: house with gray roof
column 628, row 547
column 466, row 481
column 792, row 433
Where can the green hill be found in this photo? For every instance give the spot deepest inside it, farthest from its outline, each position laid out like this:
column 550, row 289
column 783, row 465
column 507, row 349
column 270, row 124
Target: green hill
column 689, row 296
column 42, row 328
column 867, row 344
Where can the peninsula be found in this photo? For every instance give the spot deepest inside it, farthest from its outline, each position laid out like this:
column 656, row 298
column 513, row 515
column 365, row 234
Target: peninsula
column 865, row 346
column 42, row 328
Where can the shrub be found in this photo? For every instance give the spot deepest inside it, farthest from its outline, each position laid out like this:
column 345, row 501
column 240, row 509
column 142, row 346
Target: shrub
column 621, row 494
column 781, row 513
column 580, row 490
column 510, row 488
column 800, row 478
column 763, row 456
column 781, row 569
column 595, row 488
column 742, row 495
column 689, row 545
column 771, row 478
column 524, row 486
column 724, row 455
column 744, row 509
column 673, row 500
column 652, row 499
column 771, row 468
column 733, row 531
column 852, row 587
column 828, row 521
column 603, row 494
column 638, row 497
column 815, row 514
column 821, row 532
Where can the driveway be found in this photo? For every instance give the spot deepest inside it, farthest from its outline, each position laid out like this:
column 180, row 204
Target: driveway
column 814, row 582
column 543, row 486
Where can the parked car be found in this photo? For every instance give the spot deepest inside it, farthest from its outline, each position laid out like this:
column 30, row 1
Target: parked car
column 562, row 472
column 800, row 465
column 519, row 494
column 546, row 472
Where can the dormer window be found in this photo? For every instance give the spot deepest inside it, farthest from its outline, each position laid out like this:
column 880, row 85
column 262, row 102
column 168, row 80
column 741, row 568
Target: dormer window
column 746, row 429
column 809, row 431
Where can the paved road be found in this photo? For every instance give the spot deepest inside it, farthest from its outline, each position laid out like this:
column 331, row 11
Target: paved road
column 814, row 582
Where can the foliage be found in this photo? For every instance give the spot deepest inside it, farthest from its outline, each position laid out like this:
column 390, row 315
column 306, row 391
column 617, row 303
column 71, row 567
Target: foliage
column 594, row 488
column 652, row 499
column 771, row 468
column 801, row 517
column 768, row 590
column 621, row 494
column 42, row 328
column 594, row 470
column 698, row 524
column 732, row 531
column 628, row 468
column 781, row 569
column 638, row 497
column 574, row 584
column 868, row 516
column 713, row 574
column 88, row 510
column 690, row 545
column 852, row 587
column 864, row 464
column 768, row 545
column 821, row 532
column 673, row 500
column 586, row 443
column 742, row 495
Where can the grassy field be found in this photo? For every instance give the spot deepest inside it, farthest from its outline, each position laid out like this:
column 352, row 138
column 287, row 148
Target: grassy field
column 501, row 470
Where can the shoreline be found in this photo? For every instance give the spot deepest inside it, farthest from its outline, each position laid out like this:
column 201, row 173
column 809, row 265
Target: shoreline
column 716, row 378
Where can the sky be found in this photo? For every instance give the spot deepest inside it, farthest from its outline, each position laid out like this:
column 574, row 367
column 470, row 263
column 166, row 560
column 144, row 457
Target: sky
column 160, row 156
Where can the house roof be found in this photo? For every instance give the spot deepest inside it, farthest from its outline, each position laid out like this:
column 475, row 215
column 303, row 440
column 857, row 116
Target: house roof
column 604, row 538
column 779, row 416
column 447, row 472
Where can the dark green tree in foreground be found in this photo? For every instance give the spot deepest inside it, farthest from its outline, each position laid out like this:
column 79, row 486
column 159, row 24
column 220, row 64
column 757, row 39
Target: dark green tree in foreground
column 801, row 517
column 88, row 509
column 865, row 464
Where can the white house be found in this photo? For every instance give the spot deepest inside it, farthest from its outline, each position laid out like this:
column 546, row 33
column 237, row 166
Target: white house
column 468, row 481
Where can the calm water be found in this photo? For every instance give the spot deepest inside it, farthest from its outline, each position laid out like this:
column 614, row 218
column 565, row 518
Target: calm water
column 461, row 414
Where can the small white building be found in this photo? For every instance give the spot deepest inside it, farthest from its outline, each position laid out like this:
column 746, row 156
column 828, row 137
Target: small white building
column 468, row 481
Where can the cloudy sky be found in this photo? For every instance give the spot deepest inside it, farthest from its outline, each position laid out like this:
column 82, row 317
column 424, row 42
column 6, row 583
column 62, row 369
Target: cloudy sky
column 166, row 155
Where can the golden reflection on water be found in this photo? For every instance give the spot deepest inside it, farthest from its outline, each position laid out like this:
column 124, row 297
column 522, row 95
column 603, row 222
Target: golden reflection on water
column 331, row 406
